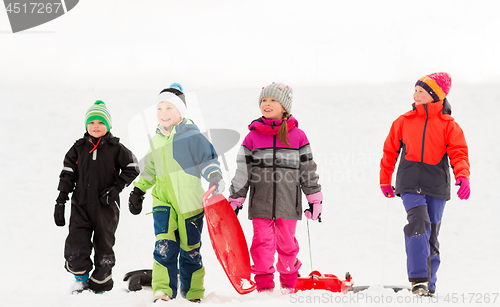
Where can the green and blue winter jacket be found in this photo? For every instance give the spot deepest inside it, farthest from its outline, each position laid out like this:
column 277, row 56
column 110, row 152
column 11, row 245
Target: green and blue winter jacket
column 175, row 164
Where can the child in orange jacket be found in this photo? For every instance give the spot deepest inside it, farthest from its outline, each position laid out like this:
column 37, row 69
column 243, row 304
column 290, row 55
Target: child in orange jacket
column 427, row 138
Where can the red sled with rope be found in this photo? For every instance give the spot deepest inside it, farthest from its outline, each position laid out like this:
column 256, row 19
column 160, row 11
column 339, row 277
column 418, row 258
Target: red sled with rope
column 318, row 281
column 329, row 282
column 228, row 241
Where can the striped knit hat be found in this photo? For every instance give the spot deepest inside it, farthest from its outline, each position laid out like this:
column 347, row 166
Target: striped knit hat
column 437, row 85
column 98, row 111
column 175, row 96
column 281, row 92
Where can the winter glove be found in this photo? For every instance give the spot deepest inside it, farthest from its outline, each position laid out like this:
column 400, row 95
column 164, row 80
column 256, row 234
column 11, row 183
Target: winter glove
column 315, row 206
column 59, row 215
column 464, row 190
column 388, row 191
column 236, row 204
column 135, row 201
column 216, row 179
column 110, row 196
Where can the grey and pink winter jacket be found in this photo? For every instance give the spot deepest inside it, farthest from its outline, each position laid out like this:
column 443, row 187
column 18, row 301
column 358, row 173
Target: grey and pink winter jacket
column 276, row 174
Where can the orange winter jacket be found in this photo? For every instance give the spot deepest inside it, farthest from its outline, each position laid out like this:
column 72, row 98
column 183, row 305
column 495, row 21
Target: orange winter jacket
column 425, row 137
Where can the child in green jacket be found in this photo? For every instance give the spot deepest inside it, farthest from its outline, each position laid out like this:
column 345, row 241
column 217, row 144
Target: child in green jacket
column 179, row 156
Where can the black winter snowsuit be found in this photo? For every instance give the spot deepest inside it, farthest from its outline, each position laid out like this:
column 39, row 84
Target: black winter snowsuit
column 88, row 170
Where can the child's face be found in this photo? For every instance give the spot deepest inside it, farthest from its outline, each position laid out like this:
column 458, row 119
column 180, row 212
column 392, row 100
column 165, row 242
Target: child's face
column 167, row 114
column 271, row 108
column 421, row 96
column 96, row 128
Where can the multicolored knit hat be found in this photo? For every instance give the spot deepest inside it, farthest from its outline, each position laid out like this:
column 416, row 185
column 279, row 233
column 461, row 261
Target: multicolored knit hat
column 98, row 111
column 175, row 96
column 279, row 91
column 437, row 85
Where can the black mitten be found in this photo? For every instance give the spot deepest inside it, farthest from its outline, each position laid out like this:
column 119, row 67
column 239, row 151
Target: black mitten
column 135, row 201
column 59, row 215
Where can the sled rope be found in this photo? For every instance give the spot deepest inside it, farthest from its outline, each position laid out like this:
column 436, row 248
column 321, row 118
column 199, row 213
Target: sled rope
column 309, row 240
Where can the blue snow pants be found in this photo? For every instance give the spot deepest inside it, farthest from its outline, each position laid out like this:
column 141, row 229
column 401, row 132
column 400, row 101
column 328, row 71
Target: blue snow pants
column 424, row 214
column 177, row 250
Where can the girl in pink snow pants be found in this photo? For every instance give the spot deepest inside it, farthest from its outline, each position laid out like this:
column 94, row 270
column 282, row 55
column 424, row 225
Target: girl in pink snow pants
column 275, row 162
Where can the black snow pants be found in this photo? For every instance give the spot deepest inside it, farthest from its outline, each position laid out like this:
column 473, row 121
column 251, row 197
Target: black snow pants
column 92, row 226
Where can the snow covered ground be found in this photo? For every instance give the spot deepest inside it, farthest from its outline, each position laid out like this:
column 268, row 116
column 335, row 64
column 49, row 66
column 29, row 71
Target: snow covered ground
column 348, row 90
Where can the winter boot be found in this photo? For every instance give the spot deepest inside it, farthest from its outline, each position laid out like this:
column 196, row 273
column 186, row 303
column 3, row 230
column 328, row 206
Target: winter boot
column 160, row 296
column 81, row 283
column 264, row 282
column 419, row 288
column 288, row 282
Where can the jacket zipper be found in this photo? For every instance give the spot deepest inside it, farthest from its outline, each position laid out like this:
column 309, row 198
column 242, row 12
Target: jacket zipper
column 94, row 150
column 297, row 195
column 251, row 196
column 423, row 146
column 274, row 177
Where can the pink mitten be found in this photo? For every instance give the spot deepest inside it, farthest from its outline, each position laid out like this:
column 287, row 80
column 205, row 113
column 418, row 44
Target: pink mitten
column 314, row 211
column 315, row 206
column 236, row 204
column 388, row 191
column 464, row 190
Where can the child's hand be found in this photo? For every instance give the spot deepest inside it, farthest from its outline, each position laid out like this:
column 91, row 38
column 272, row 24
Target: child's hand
column 216, row 179
column 388, row 191
column 236, row 204
column 315, row 206
column 464, row 190
column 135, row 201
column 59, row 215
column 314, row 211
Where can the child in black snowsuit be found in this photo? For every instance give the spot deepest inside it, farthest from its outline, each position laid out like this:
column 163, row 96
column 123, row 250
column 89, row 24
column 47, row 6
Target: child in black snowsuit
column 96, row 169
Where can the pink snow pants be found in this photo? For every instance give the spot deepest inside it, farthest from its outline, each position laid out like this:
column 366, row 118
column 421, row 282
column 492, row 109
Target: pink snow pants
column 271, row 236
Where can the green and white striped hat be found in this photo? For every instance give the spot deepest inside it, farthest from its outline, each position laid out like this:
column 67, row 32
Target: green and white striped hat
column 98, row 111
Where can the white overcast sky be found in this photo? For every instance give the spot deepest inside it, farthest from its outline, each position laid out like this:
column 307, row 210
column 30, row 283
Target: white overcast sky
column 134, row 44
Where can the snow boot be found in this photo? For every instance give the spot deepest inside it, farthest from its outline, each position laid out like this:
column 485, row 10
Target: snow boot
column 160, row 296
column 419, row 288
column 264, row 282
column 81, row 283
column 288, row 282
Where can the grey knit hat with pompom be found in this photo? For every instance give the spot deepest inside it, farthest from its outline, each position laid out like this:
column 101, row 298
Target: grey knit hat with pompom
column 279, row 91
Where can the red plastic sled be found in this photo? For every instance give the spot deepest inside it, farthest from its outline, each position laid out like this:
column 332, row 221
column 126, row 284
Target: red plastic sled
column 228, row 241
column 328, row 282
